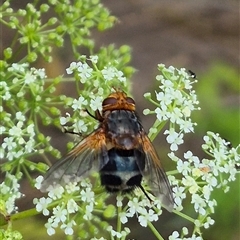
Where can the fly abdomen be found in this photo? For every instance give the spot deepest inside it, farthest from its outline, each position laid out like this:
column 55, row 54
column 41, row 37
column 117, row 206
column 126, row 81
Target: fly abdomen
column 122, row 173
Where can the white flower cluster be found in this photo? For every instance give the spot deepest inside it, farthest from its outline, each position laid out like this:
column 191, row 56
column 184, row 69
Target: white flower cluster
column 224, row 159
column 83, row 69
column 176, row 236
column 20, row 137
column 9, row 192
column 140, row 207
column 175, row 102
column 92, row 75
column 96, row 83
column 137, row 206
column 70, row 196
column 22, row 76
column 78, row 121
column 118, row 235
column 201, row 177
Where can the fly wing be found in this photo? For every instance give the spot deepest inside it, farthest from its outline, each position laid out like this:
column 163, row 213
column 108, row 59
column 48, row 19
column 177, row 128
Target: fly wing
column 89, row 155
column 155, row 174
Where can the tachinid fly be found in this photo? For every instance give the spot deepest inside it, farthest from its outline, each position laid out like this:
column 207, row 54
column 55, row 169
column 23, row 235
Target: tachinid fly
column 119, row 150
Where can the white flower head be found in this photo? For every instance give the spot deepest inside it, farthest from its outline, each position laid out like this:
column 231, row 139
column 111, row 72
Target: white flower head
column 84, row 72
column 73, row 66
column 94, row 59
column 174, row 139
column 79, row 103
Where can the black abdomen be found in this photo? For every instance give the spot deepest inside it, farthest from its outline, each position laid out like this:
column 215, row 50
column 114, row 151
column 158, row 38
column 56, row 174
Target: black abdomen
column 122, row 173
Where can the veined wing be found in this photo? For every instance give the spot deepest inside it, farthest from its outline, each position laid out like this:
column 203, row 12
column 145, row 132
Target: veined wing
column 155, row 174
column 89, row 155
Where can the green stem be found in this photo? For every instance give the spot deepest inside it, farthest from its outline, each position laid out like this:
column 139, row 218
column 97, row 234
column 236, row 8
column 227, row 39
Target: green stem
column 173, row 172
column 155, row 231
column 119, row 223
column 27, row 173
column 184, row 216
column 157, row 125
column 21, row 215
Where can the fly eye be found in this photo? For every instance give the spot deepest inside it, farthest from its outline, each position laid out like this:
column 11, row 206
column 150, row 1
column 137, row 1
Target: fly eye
column 130, row 100
column 109, row 101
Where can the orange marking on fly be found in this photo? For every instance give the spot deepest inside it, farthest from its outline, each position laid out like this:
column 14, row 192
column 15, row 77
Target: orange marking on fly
column 148, row 148
column 118, row 100
column 93, row 141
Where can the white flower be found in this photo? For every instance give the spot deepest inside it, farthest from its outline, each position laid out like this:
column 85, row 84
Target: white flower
column 183, row 167
column 8, row 142
column 16, row 130
column 161, row 113
column 72, row 187
column 179, row 195
column 30, row 130
column 119, row 200
column 94, row 59
column 64, row 120
column 190, row 157
column 175, row 236
column 134, row 206
column 68, row 228
column 113, row 232
column 72, row 67
column 29, row 78
column 18, row 67
column 209, row 221
column 210, row 179
column 88, row 212
column 176, row 116
column 77, row 104
column 56, row 192
column 84, row 71
column 116, row 234
column 184, row 231
column 20, row 116
column 147, row 216
column 96, row 103
column 9, row 192
column 42, row 204
column 87, row 195
column 38, row 182
column 108, row 73
column 199, row 204
column 119, row 75
column 186, row 125
column 123, row 217
column 85, row 183
column 49, row 226
column 206, row 190
column 174, row 139
column 59, row 214
column 194, row 237
column 72, row 206
column 80, row 126
column 39, row 72
column 6, row 96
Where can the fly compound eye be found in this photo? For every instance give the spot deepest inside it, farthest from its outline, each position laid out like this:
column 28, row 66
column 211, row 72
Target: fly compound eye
column 130, row 100
column 109, row 101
